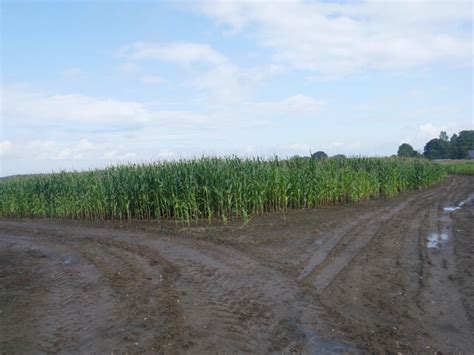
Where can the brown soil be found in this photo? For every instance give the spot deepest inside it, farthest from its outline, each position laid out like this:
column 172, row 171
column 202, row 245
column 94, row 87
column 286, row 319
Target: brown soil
column 336, row 279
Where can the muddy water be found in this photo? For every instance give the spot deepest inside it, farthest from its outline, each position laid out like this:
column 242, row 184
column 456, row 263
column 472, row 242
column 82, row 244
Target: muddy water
column 470, row 198
column 436, row 240
column 442, row 296
column 384, row 275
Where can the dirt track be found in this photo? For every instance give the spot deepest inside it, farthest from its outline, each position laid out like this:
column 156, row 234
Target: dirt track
column 337, row 279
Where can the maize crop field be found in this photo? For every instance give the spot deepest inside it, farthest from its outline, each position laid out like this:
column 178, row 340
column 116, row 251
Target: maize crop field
column 460, row 167
column 211, row 188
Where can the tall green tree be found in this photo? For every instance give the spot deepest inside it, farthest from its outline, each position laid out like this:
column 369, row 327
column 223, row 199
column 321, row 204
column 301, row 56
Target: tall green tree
column 406, row 150
column 461, row 144
column 319, row 155
column 437, row 149
column 443, row 136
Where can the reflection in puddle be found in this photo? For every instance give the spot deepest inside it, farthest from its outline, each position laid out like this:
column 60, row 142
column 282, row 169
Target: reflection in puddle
column 435, row 239
column 451, row 209
column 316, row 345
column 462, row 203
column 68, row 260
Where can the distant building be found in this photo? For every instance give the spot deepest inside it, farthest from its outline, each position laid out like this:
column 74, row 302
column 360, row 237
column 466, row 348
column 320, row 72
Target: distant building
column 470, row 154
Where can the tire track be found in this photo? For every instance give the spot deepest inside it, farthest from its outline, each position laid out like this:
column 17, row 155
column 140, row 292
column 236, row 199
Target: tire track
column 387, row 281
column 337, row 251
column 147, row 316
column 440, row 296
column 64, row 309
column 242, row 306
column 135, row 291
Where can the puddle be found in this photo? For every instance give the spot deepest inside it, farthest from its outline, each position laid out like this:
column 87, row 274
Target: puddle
column 435, row 240
column 451, row 209
column 462, row 203
column 68, row 260
column 316, row 345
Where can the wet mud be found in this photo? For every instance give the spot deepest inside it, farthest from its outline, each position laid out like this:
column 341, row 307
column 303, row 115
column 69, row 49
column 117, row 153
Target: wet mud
column 390, row 275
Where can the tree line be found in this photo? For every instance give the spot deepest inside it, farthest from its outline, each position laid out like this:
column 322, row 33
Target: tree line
column 456, row 147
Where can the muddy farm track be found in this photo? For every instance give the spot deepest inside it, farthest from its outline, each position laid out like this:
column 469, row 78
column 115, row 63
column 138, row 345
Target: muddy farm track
column 384, row 275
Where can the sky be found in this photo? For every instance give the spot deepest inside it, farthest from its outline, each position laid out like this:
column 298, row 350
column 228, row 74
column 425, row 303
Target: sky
column 86, row 84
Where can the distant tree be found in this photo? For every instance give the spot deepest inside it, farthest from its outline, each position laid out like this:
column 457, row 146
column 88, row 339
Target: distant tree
column 443, row 136
column 437, row 149
column 299, row 158
column 339, row 156
column 319, row 155
column 460, row 144
column 406, row 150
column 454, row 151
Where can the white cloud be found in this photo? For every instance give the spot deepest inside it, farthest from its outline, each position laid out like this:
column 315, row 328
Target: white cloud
column 430, row 131
column 303, row 102
column 37, row 108
column 72, row 151
column 167, row 154
column 21, row 104
column 296, row 148
column 128, row 68
column 297, row 104
column 133, row 70
column 334, row 39
column 427, row 131
column 223, row 80
column 181, row 53
column 228, row 83
column 5, row 147
column 342, row 147
column 152, row 79
column 70, row 131
column 72, row 73
column 419, row 136
column 31, row 109
column 257, row 114
column 337, row 144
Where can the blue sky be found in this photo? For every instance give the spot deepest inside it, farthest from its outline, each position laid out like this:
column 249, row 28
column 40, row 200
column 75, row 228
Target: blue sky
column 86, row 84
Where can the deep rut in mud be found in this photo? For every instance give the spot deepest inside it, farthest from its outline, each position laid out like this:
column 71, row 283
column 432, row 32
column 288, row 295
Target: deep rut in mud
column 383, row 275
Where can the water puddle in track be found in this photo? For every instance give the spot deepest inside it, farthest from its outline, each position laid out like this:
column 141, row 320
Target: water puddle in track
column 459, row 206
column 69, row 261
column 442, row 303
column 438, row 240
column 435, row 240
column 451, row 209
column 316, row 345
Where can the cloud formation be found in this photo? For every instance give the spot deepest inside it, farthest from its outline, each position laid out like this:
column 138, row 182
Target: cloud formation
column 336, row 39
column 39, row 109
column 209, row 71
column 84, row 149
column 233, row 77
column 181, row 53
column 23, row 105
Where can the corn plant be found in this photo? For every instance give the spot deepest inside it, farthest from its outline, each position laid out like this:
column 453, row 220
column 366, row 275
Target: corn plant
column 210, row 188
column 460, row 168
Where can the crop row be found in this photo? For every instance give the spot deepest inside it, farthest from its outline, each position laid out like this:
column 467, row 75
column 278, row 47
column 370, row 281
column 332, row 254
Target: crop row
column 460, row 167
column 207, row 188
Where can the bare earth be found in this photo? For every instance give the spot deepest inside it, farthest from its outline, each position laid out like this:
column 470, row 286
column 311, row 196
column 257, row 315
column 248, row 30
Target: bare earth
column 366, row 277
